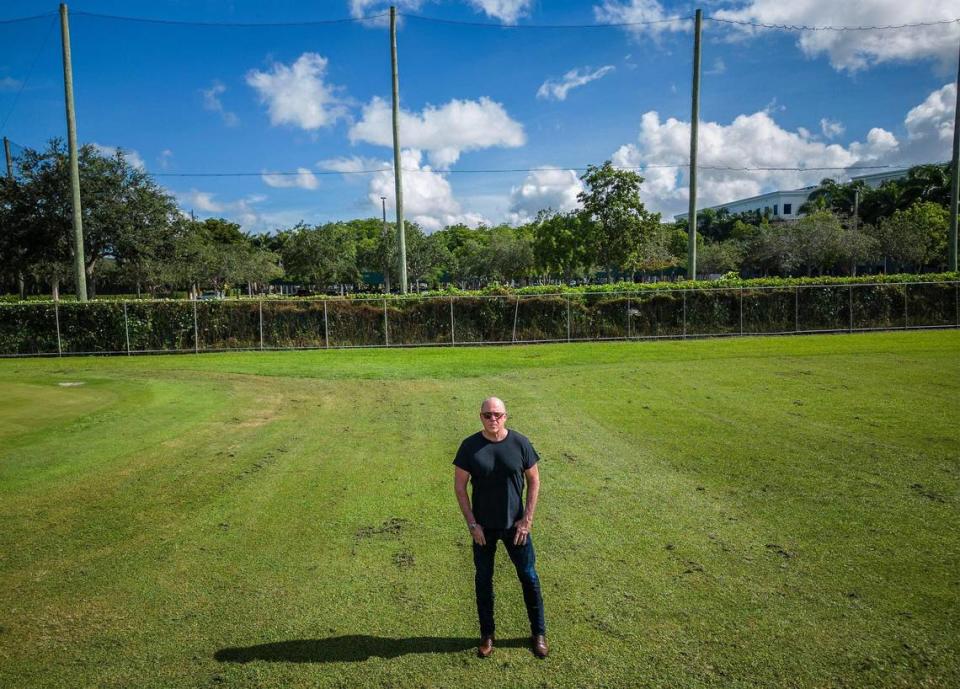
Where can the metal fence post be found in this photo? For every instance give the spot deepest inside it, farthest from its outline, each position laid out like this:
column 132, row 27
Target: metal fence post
column 386, row 330
column 56, row 316
column 196, row 331
column 261, row 325
column 326, row 327
column 741, row 311
column 851, row 307
column 516, row 310
column 453, row 339
column 568, row 319
column 796, row 309
column 126, row 327
column 628, row 318
column 906, row 311
column 684, row 313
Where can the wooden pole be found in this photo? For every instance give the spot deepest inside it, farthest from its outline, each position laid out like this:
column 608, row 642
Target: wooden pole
column 78, row 258
column 694, row 127
column 397, row 173
column 954, row 180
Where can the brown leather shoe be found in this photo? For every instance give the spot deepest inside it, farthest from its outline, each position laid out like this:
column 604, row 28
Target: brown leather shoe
column 539, row 643
column 486, row 646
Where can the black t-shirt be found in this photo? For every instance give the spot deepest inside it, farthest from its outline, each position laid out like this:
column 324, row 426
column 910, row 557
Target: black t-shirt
column 496, row 472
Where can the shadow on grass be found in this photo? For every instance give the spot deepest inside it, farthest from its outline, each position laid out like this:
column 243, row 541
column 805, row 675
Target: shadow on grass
column 352, row 648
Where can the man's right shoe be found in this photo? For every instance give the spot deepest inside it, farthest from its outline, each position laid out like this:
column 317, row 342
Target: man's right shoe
column 539, row 645
column 486, row 646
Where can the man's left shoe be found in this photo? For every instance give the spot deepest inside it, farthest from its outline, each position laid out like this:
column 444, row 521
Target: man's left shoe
column 539, row 643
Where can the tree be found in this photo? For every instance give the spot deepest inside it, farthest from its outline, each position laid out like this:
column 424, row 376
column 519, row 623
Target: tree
column 126, row 216
column 558, row 243
column 915, row 237
column 509, row 254
column 618, row 221
column 719, row 257
column 926, row 183
column 322, row 255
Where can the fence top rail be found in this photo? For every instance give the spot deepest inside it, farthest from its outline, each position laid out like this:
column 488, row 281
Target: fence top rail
column 406, row 298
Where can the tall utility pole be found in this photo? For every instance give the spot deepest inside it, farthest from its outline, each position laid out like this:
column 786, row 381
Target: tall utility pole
column 386, row 247
column 78, row 259
column 398, row 178
column 694, row 127
column 954, row 180
column 6, row 152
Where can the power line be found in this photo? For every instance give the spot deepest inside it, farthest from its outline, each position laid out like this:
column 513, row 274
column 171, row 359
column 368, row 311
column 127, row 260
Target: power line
column 529, row 169
column 802, row 27
column 23, row 84
column 16, row 20
column 185, row 22
column 488, row 25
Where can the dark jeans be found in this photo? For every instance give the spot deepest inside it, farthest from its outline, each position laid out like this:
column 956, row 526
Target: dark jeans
column 524, row 560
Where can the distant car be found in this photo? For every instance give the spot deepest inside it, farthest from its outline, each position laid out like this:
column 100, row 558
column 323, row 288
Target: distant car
column 209, row 294
column 304, row 293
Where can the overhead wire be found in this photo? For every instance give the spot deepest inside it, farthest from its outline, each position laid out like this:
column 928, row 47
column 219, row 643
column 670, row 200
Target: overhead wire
column 33, row 64
column 489, row 25
column 371, row 171
column 244, row 25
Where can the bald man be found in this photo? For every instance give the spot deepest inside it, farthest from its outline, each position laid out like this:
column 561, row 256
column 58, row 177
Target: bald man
column 497, row 461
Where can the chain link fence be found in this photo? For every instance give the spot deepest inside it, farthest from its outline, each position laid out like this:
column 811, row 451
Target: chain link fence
column 140, row 327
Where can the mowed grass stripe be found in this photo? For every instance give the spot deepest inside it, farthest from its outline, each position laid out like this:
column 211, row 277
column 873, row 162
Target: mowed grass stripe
column 697, row 527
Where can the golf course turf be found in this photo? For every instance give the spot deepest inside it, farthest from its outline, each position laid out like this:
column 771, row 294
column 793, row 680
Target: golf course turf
column 750, row 512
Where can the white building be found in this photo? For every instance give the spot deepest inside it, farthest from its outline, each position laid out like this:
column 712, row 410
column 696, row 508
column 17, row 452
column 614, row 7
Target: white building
column 785, row 205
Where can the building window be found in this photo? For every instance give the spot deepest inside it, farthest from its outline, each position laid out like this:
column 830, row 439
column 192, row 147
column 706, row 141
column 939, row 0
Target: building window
column 787, row 208
column 775, row 209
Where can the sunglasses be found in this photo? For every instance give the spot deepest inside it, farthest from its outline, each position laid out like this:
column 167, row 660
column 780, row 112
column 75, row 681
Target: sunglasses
column 488, row 415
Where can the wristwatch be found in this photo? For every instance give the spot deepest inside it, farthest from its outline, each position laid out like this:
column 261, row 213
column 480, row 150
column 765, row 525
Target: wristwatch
column 472, row 525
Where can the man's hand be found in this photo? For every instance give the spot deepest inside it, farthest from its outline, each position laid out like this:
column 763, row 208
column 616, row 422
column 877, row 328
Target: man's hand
column 522, row 527
column 478, row 537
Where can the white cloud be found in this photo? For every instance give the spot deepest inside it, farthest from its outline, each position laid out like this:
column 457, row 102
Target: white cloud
column 757, row 141
column 831, row 128
column 507, row 11
column 444, row 132
column 719, row 67
column 855, row 50
column 212, row 102
column 202, row 201
column 557, row 89
column 241, row 211
column 297, row 94
column 544, row 188
column 365, row 8
column 750, row 141
column 427, row 195
column 646, row 17
column 10, row 84
column 165, row 157
column 354, row 164
column 132, row 157
column 304, row 179
column 932, row 121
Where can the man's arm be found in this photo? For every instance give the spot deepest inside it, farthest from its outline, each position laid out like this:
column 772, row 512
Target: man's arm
column 460, row 478
column 524, row 524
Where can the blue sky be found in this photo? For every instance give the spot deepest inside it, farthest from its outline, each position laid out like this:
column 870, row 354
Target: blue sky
column 491, row 87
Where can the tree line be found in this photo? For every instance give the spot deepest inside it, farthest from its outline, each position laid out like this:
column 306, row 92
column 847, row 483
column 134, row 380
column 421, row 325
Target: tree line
column 137, row 239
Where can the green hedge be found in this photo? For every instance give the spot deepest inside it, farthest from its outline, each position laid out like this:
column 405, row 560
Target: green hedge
column 149, row 326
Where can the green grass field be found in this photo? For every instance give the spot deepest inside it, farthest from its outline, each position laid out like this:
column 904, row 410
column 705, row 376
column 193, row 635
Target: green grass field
column 739, row 513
